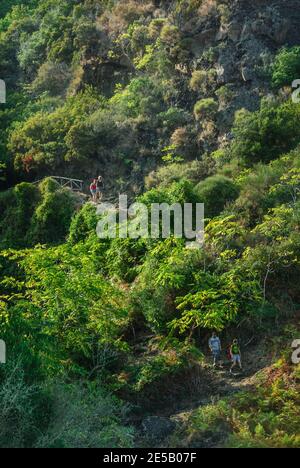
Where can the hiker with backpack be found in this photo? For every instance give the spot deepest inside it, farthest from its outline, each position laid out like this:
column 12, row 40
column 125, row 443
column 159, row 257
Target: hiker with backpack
column 93, row 189
column 215, row 348
column 236, row 356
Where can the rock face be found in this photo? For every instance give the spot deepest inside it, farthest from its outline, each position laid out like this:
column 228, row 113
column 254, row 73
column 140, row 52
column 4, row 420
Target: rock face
column 245, row 41
column 157, row 428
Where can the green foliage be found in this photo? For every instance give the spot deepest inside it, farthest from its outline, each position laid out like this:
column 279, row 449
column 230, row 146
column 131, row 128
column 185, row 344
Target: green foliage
column 143, row 96
column 217, row 302
column 202, row 81
column 52, row 78
column 265, row 418
column 267, row 133
column 78, row 305
column 83, row 224
column 123, row 258
column 286, row 67
column 166, row 360
column 205, row 109
column 192, row 171
column 33, row 214
column 52, row 218
column 24, row 408
column 17, row 208
column 86, row 416
column 111, row 86
column 41, row 141
column 215, row 192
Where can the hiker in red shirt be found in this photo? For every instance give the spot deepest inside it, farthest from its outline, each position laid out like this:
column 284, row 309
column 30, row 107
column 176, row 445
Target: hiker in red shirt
column 93, row 189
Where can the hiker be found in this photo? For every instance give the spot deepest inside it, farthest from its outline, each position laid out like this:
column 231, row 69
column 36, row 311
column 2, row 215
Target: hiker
column 100, row 187
column 93, row 189
column 215, row 348
column 236, row 356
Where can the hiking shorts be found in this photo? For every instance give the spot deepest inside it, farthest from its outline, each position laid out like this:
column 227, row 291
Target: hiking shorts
column 236, row 359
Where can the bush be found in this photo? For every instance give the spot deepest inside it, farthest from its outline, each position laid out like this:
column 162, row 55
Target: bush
column 286, row 67
column 206, row 109
column 86, row 416
column 83, row 224
column 193, row 171
column 17, row 207
column 53, row 78
column 24, row 409
column 52, row 218
column 36, row 214
column 170, row 35
column 202, row 80
column 267, row 133
column 215, row 192
column 124, row 257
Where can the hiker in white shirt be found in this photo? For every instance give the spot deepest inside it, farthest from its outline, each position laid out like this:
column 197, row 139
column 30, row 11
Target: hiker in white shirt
column 215, row 347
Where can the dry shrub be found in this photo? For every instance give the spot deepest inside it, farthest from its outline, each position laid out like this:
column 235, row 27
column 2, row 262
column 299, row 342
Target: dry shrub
column 208, row 8
column 124, row 13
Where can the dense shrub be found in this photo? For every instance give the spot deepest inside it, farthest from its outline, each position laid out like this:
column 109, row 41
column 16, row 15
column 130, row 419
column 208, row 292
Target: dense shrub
column 202, row 81
column 215, row 192
column 24, row 409
column 205, row 109
column 86, row 416
column 286, row 67
column 17, row 207
column 83, row 224
column 52, row 78
column 194, row 171
column 32, row 214
column 267, row 133
column 52, row 218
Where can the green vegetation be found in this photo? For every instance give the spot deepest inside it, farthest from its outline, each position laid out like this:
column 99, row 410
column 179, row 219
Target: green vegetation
column 286, row 67
column 265, row 418
column 104, row 332
column 215, row 192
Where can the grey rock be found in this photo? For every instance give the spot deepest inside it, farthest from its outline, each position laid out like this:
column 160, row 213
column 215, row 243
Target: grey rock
column 259, row 27
column 280, row 31
column 205, row 37
column 234, row 31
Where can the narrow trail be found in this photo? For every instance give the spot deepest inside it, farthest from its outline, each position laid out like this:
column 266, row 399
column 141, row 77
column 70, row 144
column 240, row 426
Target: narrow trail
column 211, row 386
column 208, row 385
column 222, row 384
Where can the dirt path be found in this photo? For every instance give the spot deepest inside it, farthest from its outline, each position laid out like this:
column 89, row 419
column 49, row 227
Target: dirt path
column 209, row 385
column 223, row 384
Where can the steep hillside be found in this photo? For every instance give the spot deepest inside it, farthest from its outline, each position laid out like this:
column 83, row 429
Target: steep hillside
column 182, row 101
column 118, row 86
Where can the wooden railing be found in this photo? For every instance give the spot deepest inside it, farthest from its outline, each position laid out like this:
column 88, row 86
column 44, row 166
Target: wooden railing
column 74, row 184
